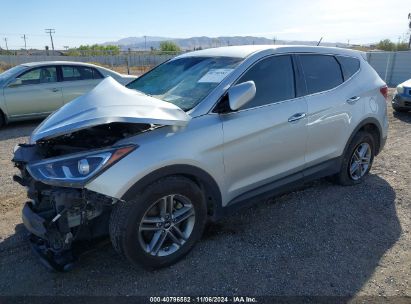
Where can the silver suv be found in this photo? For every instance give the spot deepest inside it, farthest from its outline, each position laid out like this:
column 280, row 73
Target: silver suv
column 193, row 140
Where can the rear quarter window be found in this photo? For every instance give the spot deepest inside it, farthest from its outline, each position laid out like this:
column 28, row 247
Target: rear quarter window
column 321, row 72
column 349, row 66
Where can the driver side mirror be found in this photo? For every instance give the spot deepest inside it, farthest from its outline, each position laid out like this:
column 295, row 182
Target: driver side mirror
column 17, row 82
column 240, row 94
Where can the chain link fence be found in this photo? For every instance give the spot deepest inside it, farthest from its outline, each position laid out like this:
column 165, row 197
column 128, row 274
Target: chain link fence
column 127, row 62
column 393, row 67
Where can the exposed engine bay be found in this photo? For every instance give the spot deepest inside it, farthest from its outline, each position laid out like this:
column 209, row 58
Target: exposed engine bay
column 92, row 138
column 57, row 216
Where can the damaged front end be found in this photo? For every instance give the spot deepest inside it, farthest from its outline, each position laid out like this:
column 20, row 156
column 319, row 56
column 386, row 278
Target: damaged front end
column 67, row 151
column 61, row 212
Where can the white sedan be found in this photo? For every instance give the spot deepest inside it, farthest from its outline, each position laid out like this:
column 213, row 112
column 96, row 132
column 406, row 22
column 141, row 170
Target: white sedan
column 34, row 90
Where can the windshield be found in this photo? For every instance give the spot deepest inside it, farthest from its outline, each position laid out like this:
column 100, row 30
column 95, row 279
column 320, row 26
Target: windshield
column 185, row 81
column 5, row 76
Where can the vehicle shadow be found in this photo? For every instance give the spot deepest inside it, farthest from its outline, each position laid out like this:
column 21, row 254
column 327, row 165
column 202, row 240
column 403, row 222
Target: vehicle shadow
column 18, row 129
column 324, row 240
column 403, row 116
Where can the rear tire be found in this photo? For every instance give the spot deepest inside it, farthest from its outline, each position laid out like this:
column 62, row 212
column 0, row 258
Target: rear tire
column 358, row 159
column 2, row 120
column 149, row 233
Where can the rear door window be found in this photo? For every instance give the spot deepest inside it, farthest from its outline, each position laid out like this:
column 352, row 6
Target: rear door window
column 70, row 73
column 73, row 73
column 273, row 78
column 89, row 73
column 321, row 72
column 349, row 66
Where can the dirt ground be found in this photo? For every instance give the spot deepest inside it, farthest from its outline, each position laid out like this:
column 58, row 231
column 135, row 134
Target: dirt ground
column 323, row 240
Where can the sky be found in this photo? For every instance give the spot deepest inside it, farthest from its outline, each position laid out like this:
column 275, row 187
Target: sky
column 89, row 21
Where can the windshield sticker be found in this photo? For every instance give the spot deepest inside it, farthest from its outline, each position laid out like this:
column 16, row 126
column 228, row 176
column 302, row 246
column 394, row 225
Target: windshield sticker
column 170, row 98
column 215, row 75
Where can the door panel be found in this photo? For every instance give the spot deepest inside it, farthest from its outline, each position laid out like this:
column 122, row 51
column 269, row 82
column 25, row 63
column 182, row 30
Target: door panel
column 329, row 113
column 327, row 123
column 330, row 119
column 266, row 139
column 38, row 95
column 40, row 99
column 78, row 80
column 74, row 89
column 261, row 145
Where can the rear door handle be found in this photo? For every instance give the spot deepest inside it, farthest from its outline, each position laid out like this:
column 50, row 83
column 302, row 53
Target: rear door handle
column 54, row 89
column 353, row 100
column 296, row 117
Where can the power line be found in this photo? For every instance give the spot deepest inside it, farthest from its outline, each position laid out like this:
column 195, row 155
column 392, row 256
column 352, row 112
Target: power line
column 51, row 31
column 65, row 36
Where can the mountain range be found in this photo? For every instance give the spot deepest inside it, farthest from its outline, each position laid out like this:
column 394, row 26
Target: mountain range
column 148, row 42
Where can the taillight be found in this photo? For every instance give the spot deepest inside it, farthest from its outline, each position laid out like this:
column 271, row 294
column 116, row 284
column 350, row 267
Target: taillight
column 384, row 91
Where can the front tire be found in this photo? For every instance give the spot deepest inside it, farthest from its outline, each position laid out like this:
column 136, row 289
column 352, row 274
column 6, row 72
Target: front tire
column 161, row 225
column 357, row 160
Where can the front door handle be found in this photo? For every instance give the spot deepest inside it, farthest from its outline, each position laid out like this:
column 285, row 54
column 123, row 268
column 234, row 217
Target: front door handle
column 353, row 100
column 296, row 117
column 54, row 90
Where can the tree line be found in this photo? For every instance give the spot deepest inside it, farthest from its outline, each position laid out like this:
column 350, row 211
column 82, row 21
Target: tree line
column 388, row 45
column 96, row 49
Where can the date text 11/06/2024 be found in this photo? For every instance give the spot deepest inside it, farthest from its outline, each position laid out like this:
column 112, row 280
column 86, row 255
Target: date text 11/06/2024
column 237, row 299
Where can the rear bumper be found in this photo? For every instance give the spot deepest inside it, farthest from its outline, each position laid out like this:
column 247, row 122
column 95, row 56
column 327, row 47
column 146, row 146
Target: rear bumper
column 401, row 101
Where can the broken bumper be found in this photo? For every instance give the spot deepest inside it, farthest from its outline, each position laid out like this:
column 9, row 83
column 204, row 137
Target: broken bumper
column 402, row 101
column 63, row 222
column 34, row 224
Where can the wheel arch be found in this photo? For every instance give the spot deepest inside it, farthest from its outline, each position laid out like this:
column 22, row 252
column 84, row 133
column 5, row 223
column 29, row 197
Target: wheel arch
column 372, row 126
column 203, row 179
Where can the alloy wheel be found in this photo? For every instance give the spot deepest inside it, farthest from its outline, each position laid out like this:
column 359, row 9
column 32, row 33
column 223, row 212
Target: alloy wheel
column 360, row 161
column 167, row 225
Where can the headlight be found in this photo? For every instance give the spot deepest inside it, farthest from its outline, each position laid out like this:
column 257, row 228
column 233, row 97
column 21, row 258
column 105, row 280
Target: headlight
column 400, row 89
column 75, row 170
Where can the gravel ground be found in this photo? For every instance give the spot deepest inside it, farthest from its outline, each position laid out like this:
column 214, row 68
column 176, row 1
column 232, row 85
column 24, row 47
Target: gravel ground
column 321, row 240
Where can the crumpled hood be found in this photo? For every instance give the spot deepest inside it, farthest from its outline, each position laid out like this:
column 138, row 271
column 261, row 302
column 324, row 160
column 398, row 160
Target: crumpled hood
column 109, row 102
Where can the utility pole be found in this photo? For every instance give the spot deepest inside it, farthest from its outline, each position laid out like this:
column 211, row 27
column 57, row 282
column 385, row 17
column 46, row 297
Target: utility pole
column 409, row 26
column 51, row 31
column 25, row 43
column 7, row 47
column 274, row 39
